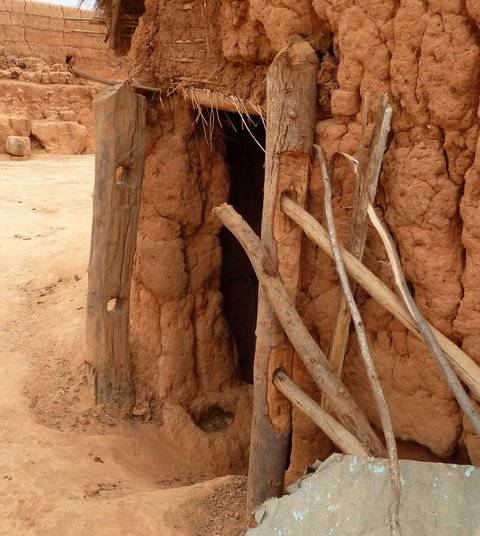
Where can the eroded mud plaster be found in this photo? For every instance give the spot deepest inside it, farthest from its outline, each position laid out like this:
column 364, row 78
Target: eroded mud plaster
column 426, row 56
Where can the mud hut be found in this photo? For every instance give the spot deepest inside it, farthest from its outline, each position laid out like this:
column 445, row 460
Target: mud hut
column 194, row 293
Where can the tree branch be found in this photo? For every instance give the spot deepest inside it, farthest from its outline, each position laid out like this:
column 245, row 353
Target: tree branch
column 464, row 366
column 346, row 409
column 423, row 327
column 339, row 435
column 364, row 350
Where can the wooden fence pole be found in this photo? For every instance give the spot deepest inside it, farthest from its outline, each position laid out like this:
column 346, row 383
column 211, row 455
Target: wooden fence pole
column 291, row 99
column 120, row 147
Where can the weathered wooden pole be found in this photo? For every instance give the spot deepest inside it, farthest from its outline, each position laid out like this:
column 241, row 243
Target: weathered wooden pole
column 120, row 148
column 291, row 104
column 115, row 15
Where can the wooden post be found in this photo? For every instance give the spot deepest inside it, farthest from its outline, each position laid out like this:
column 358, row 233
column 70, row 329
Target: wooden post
column 115, row 15
column 120, row 133
column 291, row 100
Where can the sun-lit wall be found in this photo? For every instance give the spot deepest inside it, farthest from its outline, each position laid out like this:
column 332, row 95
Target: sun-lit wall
column 37, row 29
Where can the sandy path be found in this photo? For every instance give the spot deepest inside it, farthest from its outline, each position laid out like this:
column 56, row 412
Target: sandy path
column 61, row 471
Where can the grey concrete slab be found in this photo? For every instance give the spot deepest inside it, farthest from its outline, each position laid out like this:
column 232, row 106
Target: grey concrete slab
column 349, row 496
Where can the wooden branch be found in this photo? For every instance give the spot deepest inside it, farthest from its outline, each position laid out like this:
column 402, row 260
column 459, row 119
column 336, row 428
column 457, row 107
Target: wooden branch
column 94, row 77
column 94, row 20
column 89, row 32
column 372, row 375
column 208, row 98
column 367, row 180
column 203, row 97
column 346, row 409
column 423, row 327
column 120, row 146
column 291, row 105
column 339, row 435
column 464, row 366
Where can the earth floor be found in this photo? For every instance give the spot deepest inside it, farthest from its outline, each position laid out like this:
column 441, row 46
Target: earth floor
column 65, row 469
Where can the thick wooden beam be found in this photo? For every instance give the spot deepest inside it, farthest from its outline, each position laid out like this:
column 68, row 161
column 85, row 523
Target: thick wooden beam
column 291, row 99
column 120, row 147
column 115, row 15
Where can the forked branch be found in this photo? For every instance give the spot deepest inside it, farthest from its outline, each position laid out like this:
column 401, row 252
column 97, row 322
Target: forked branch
column 364, row 350
column 366, row 180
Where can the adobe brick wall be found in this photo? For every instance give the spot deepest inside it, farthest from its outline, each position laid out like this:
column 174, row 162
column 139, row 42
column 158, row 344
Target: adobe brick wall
column 38, row 29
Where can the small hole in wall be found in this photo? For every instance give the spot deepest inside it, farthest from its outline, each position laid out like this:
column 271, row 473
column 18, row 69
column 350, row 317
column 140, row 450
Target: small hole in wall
column 111, row 305
column 213, row 419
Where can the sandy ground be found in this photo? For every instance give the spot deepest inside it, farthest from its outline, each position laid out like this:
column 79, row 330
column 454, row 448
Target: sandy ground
column 65, row 469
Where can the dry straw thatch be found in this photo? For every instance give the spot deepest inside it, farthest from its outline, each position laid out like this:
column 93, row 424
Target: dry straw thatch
column 121, row 18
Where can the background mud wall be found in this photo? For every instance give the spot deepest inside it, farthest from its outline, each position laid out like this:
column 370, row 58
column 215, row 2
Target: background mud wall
column 58, row 119
column 39, row 29
column 426, row 55
column 38, row 96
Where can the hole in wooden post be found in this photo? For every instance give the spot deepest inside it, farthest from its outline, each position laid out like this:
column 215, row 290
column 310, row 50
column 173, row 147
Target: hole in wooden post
column 111, row 305
column 120, row 177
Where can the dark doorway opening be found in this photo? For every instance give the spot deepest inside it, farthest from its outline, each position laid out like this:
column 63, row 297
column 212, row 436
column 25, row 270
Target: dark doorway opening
column 238, row 282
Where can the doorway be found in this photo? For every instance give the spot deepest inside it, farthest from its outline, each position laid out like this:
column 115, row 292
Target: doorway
column 238, row 281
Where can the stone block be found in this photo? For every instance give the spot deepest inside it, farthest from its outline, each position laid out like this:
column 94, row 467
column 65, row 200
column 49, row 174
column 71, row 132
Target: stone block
column 344, row 102
column 33, row 77
column 61, row 137
column 15, row 72
column 59, row 67
column 13, row 126
column 67, row 115
column 18, row 146
column 59, row 77
column 349, row 494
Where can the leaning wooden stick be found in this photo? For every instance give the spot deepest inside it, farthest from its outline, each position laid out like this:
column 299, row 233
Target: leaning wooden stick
column 423, row 327
column 339, row 435
column 345, row 407
column 467, row 370
column 385, row 418
column 367, row 175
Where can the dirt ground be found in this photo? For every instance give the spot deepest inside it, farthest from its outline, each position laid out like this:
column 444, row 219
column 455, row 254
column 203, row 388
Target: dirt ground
column 65, row 469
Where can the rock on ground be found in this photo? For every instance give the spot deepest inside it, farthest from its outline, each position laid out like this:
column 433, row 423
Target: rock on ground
column 18, row 146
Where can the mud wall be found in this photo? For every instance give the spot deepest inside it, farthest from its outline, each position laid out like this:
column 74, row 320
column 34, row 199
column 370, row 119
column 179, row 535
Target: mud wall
column 39, row 29
column 185, row 367
column 58, row 119
column 38, row 96
column 426, row 56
